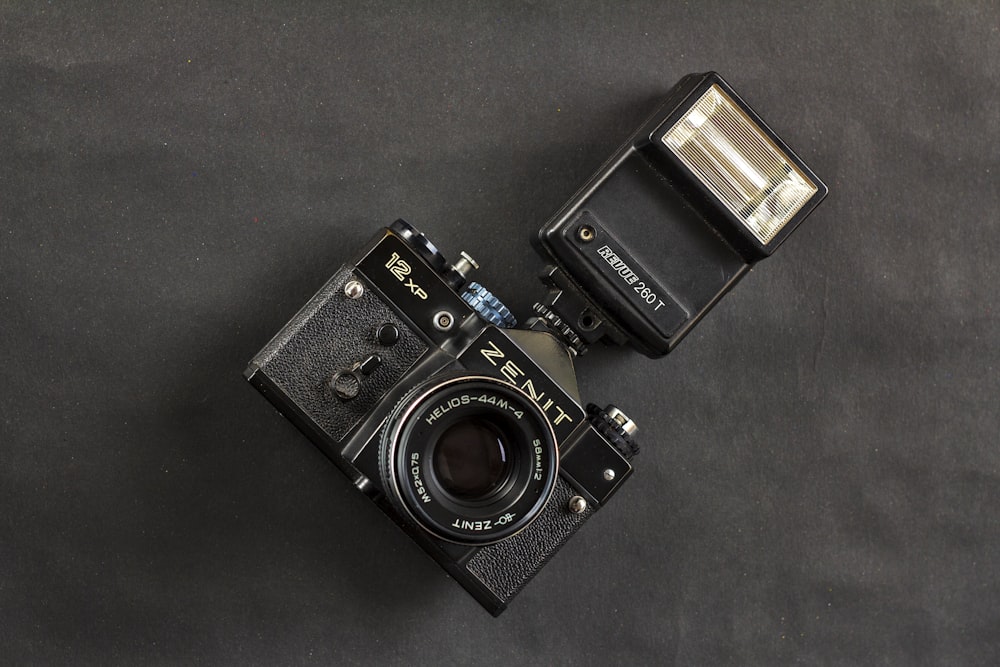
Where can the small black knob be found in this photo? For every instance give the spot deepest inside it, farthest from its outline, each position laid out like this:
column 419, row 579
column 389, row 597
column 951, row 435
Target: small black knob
column 387, row 334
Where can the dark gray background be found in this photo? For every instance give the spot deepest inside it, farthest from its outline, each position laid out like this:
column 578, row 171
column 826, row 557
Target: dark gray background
column 820, row 479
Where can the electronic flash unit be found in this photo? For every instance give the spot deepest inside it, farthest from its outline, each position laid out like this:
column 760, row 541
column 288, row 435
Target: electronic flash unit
column 699, row 194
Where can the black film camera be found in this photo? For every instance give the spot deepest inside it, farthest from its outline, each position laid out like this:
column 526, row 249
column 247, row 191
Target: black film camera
column 470, row 433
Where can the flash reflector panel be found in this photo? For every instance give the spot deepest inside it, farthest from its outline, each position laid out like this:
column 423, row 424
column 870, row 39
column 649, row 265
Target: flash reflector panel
column 739, row 164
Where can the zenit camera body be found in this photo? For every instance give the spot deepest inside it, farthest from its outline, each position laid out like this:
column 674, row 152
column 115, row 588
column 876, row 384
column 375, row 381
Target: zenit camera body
column 472, row 436
column 469, row 431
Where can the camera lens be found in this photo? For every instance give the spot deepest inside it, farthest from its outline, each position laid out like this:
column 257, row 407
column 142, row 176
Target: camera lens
column 471, row 459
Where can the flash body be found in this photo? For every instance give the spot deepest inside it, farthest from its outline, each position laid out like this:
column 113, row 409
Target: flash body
column 701, row 192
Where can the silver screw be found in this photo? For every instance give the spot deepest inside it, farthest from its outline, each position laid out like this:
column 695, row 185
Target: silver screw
column 354, row 289
column 609, row 474
column 443, row 320
column 577, row 505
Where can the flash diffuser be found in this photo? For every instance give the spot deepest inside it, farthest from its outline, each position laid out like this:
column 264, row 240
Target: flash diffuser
column 739, row 164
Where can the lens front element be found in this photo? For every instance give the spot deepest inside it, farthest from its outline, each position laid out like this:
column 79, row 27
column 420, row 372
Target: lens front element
column 471, row 459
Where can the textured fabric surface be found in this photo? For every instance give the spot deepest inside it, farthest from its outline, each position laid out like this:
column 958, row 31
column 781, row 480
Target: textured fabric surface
column 819, row 480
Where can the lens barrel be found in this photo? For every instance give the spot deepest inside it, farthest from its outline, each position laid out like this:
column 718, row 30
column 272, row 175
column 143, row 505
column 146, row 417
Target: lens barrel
column 470, row 459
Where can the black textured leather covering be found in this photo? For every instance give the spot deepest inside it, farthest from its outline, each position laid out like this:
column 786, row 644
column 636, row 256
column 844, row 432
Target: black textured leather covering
column 329, row 334
column 506, row 567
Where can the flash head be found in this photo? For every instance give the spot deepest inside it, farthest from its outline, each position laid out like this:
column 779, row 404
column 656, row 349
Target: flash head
column 682, row 211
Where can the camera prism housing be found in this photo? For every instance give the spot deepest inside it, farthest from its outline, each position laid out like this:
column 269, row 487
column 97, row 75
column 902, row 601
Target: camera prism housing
column 470, row 432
